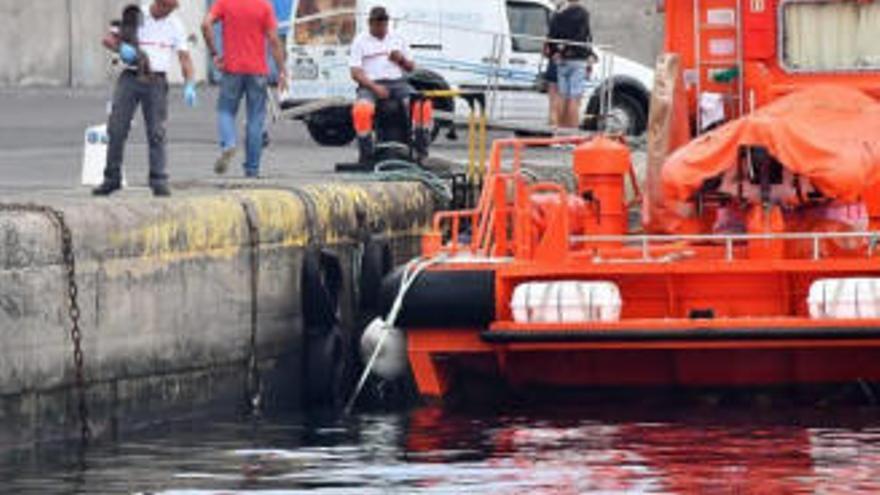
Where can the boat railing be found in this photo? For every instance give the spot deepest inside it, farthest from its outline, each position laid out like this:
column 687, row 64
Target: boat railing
column 499, row 225
column 493, row 222
column 456, row 223
column 646, row 242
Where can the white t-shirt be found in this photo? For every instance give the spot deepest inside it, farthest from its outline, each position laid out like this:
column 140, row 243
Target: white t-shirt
column 161, row 39
column 371, row 54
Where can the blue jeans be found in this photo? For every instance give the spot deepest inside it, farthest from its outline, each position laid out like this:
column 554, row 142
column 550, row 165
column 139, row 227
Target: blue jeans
column 572, row 79
column 253, row 88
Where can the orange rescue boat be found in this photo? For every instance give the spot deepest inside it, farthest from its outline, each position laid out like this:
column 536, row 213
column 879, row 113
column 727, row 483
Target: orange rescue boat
column 775, row 281
column 759, row 263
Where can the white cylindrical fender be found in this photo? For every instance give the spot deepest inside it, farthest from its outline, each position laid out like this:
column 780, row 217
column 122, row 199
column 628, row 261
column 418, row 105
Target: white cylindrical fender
column 391, row 361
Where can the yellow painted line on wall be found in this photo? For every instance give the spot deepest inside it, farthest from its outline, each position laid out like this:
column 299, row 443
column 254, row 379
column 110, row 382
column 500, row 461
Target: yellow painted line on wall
column 210, row 224
column 214, row 226
column 279, row 214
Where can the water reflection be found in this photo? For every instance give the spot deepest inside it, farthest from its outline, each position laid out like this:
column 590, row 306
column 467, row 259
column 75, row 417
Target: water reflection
column 431, row 450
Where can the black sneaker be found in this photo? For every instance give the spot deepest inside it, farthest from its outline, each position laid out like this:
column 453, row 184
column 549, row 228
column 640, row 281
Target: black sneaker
column 161, row 190
column 106, row 189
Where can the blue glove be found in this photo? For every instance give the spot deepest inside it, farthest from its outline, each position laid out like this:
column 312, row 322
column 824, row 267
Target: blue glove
column 128, row 53
column 190, row 97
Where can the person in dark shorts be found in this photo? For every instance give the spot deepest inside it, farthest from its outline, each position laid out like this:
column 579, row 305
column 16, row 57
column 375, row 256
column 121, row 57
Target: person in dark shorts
column 551, row 77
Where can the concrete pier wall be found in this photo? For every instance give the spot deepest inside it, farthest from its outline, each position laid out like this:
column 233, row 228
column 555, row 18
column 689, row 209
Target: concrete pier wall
column 165, row 295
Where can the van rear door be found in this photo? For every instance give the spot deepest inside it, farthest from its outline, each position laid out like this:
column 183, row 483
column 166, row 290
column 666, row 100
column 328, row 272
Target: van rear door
column 467, row 30
column 417, row 22
column 520, row 101
column 318, row 46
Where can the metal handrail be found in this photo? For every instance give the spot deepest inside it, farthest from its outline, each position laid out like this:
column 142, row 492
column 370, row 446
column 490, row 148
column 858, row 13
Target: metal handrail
column 451, row 26
column 495, row 70
column 728, row 240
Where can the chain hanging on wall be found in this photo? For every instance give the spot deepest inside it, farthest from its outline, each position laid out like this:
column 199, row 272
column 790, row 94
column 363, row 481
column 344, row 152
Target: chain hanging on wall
column 57, row 218
column 254, row 383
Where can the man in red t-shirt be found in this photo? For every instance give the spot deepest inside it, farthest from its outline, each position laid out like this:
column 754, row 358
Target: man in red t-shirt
column 247, row 25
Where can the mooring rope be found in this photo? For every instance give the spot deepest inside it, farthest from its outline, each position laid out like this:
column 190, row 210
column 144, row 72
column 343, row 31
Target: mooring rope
column 410, row 273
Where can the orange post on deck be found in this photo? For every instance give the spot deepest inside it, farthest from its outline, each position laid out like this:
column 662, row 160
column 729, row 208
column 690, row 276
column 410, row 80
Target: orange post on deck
column 601, row 167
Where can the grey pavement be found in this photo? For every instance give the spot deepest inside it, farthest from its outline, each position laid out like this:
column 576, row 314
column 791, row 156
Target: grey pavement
column 41, row 143
column 41, row 146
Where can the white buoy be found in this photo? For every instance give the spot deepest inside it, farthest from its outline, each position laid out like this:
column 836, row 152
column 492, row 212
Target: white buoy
column 95, row 155
column 383, row 346
column 390, row 362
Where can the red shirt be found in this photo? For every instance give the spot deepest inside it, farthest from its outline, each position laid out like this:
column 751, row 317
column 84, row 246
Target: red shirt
column 246, row 24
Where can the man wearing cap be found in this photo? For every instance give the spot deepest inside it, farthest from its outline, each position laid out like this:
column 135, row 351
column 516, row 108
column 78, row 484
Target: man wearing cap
column 378, row 62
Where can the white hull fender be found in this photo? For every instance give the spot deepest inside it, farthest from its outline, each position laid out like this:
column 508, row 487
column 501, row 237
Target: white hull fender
column 391, row 361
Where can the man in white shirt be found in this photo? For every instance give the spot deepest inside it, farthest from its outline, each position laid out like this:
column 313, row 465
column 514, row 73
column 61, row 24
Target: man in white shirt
column 379, row 59
column 160, row 37
column 378, row 62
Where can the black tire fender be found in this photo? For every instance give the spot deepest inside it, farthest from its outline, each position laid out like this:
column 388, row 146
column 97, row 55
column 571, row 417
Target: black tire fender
column 376, row 263
column 321, row 280
column 324, row 366
column 323, row 343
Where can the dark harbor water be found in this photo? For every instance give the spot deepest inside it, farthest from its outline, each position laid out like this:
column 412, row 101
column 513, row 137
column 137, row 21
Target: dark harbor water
column 707, row 448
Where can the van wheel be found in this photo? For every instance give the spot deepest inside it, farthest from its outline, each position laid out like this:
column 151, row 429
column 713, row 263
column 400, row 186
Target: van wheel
column 627, row 114
column 331, row 127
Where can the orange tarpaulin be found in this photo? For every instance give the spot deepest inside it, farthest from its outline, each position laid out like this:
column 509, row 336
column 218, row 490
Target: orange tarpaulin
column 827, row 134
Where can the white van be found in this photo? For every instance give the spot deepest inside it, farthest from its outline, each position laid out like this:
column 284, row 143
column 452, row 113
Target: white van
column 467, row 44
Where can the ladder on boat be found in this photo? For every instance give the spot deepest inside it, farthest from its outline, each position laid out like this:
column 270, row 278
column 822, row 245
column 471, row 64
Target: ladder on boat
column 718, row 48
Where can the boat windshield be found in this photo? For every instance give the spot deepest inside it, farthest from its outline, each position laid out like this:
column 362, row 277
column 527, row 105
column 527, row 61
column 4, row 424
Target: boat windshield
column 325, row 22
column 829, row 36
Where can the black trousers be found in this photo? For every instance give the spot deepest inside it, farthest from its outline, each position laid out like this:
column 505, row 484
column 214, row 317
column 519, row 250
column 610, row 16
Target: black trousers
column 151, row 93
